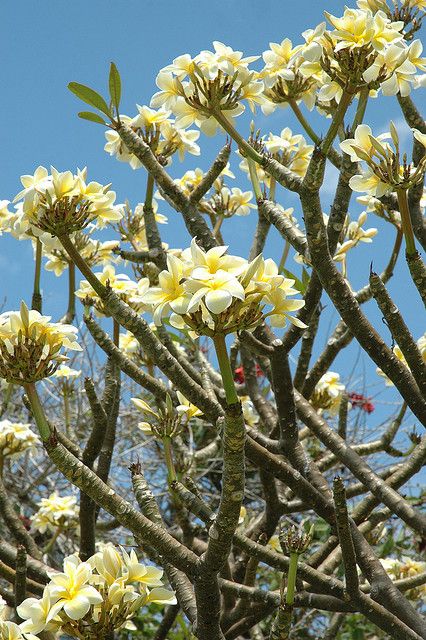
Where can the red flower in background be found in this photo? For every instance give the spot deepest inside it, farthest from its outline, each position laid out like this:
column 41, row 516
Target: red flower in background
column 361, row 402
column 239, row 374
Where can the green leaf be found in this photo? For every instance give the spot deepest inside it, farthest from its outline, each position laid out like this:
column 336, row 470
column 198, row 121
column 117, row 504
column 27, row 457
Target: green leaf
column 305, row 277
column 93, row 117
column 89, row 96
column 114, row 86
column 298, row 284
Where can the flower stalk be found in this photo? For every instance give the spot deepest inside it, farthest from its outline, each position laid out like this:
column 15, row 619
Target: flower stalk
column 407, row 227
column 168, row 456
column 36, row 302
column 243, row 145
column 339, row 114
column 70, row 314
column 38, row 412
column 225, row 369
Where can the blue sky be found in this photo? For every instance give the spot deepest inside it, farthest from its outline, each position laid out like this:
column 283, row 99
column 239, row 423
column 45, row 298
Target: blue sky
column 47, row 44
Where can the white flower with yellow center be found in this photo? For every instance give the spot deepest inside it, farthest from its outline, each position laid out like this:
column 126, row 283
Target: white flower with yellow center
column 55, row 511
column 16, row 438
column 281, row 308
column 216, row 290
column 180, row 140
column 47, row 339
column 170, row 294
column 128, row 343
column 170, row 89
column 240, row 202
column 186, row 408
column 149, row 118
column 63, row 371
column 10, row 631
column 361, row 141
column 250, row 416
column 330, row 384
column 358, row 28
column 39, row 614
column 214, row 259
column 115, row 147
column 368, row 182
column 71, row 589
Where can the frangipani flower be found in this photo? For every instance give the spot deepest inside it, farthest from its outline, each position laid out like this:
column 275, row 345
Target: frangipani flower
column 31, row 346
column 421, row 345
column 61, row 203
column 126, row 289
column 384, row 172
column 361, row 141
column 93, row 598
column 186, row 408
column 16, row 438
column 186, row 84
column 72, row 590
column 211, row 289
column 63, row 371
column 216, row 290
column 39, row 614
column 55, row 511
column 328, row 392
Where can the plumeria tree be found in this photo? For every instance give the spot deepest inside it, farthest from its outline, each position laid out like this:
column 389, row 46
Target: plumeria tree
column 185, row 462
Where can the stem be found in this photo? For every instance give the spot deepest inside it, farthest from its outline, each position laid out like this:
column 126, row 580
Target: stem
column 243, row 144
column 225, row 369
column 291, row 578
column 36, row 302
column 80, row 262
column 38, row 411
column 362, row 105
column 168, row 455
column 52, row 540
column 66, row 411
column 410, row 245
column 6, row 399
column 284, row 256
column 116, row 332
column 70, row 314
column 272, row 190
column 339, row 114
column 254, row 178
column 305, row 124
column 217, row 226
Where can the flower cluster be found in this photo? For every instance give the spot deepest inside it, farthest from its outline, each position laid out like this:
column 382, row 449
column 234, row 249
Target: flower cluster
column 126, row 289
column 62, row 202
column 168, row 421
column 365, row 48
column 406, row 567
column 328, row 392
column 66, row 373
column 132, row 225
column 421, row 345
column 353, row 234
column 210, row 83
column 55, row 512
column 93, row 251
column 165, row 137
column 290, row 150
column 212, row 292
column 384, row 171
column 95, row 598
column 16, row 438
column 31, row 346
column 128, row 344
